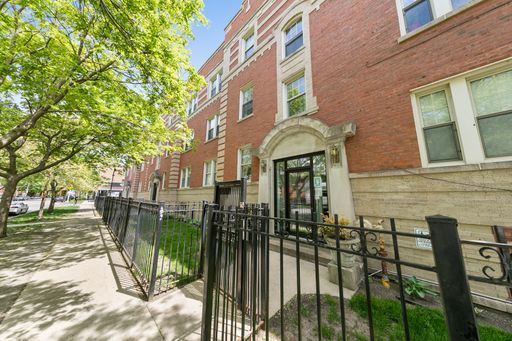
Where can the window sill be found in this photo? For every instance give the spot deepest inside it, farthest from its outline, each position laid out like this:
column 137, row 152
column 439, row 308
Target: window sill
column 310, row 111
column 210, row 140
column 295, row 54
column 437, row 21
column 246, row 117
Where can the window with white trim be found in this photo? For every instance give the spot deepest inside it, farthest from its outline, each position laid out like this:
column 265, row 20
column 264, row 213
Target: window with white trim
column 246, row 102
column 295, row 96
column 468, row 119
column 249, row 45
column 163, row 180
column 187, row 145
column 215, row 84
column 212, row 128
column 418, row 13
column 245, row 163
column 439, row 128
column 192, row 106
column 293, row 37
column 210, row 173
column 492, row 99
column 185, row 177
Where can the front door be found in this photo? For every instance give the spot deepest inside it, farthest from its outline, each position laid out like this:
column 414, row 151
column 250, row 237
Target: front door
column 301, row 191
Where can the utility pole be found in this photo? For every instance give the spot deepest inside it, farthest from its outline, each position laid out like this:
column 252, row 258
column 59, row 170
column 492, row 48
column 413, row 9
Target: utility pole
column 112, row 182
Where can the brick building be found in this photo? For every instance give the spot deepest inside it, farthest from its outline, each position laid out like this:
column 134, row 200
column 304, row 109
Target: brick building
column 394, row 108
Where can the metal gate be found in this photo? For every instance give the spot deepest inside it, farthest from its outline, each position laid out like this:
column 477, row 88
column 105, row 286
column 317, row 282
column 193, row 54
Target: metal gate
column 247, row 291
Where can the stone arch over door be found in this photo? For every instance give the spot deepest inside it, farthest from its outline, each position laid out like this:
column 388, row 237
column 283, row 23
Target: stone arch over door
column 155, row 179
column 304, row 135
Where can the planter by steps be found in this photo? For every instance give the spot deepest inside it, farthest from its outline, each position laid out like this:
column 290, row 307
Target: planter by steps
column 351, row 265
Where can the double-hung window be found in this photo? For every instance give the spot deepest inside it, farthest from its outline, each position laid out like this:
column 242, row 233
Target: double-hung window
column 185, row 177
column 215, row 84
column 187, row 145
column 210, row 171
column 293, row 37
column 416, row 13
column 245, row 163
column 246, row 102
column 192, row 106
column 249, row 44
column 492, row 101
column 296, row 96
column 212, row 128
column 439, row 128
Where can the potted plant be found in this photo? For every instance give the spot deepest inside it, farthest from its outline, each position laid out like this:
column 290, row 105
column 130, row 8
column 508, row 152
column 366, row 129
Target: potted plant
column 348, row 241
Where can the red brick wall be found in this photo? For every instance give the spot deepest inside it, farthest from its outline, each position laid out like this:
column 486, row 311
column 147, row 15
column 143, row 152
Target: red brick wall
column 361, row 72
column 201, row 151
column 262, row 74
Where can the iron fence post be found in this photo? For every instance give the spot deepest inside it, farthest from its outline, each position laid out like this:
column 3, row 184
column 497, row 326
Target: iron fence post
column 156, row 250
column 137, row 234
column 452, row 278
column 203, row 237
column 209, row 276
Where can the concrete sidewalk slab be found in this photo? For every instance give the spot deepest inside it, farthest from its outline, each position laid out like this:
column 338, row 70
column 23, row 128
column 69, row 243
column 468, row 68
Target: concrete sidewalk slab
column 77, row 287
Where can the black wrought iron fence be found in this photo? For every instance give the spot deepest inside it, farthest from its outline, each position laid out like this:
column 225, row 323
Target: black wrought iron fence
column 256, row 288
column 163, row 243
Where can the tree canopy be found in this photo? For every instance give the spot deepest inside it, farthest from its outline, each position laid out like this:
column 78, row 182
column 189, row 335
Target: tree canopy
column 91, row 79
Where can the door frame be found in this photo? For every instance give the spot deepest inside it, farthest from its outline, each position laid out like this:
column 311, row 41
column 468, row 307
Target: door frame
column 286, row 184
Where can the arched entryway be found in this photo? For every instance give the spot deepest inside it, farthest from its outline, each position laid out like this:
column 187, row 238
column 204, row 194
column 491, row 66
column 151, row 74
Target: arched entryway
column 304, row 169
column 154, row 185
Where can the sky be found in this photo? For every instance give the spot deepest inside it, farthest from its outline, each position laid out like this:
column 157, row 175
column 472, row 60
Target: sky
column 209, row 37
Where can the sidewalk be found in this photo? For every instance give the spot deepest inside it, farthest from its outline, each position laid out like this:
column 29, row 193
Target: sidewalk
column 67, row 281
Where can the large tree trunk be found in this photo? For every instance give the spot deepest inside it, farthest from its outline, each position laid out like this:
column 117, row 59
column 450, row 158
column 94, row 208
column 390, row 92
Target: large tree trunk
column 40, row 215
column 5, row 202
column 53, row 191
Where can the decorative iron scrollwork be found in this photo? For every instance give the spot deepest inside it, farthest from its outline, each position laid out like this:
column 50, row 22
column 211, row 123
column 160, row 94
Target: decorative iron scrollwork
column 487, row 252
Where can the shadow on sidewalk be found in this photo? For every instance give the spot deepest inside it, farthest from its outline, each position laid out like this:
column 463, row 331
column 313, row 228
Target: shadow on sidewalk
column 125, row 281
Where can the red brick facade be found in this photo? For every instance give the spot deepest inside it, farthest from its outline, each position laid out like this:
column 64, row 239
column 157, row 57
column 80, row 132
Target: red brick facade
column 361, row 72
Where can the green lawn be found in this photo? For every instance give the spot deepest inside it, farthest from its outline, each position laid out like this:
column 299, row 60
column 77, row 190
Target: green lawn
column 31, row 217
column 180, row 247
column 424, row 323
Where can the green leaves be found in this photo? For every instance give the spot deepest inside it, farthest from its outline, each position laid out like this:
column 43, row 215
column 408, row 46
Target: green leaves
column 113, row 66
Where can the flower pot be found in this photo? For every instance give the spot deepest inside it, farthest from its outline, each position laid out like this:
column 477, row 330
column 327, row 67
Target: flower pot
column 347, row 259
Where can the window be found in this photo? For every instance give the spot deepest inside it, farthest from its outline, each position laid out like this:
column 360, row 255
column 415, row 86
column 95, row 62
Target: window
column 188, row 143
column 467, row 119
column 492, row 99
column 296, row 96
column 459, row 3
column 143, row 166
column 439, row 128
column 245, row 162
column 212, row 128
column 163, row 181
column 249, row 45
column 185, row 177
column 158, row 163
column 215, row 84
column 246, row 102
column 210, row 173
column 166, row 152
column 192, row 106
column 294, row 38
column 416, row 13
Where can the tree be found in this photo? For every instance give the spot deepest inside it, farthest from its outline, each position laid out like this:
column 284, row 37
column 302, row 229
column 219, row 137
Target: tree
column 90, row 81
column 80, row 177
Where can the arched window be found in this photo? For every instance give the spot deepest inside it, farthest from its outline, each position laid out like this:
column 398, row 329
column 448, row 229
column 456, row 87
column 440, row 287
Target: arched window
column 293, row 37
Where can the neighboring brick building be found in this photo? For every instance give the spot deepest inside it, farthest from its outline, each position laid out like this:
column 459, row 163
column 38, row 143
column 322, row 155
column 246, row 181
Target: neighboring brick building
column 396, row 108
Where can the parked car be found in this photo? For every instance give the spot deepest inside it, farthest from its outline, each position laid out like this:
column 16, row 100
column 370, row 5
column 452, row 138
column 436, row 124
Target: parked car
column 59, row 199
column 18, row 207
